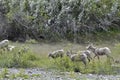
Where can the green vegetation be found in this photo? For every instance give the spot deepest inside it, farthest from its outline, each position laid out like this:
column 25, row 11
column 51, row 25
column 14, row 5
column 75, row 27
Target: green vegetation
column 22, row 74
column 20, row 58
column 79, row 21
column 94, row 67
column 72, row 20
column 5, row 74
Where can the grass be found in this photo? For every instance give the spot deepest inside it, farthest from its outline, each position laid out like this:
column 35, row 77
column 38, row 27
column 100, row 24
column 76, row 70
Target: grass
column 22, row 74
column 94, row 67
column 4, row 73
column 37, row 56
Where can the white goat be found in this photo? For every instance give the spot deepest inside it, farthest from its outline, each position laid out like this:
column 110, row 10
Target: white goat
column 99, row 51
column 4, row 44
column 82, row 56
column 56, row 54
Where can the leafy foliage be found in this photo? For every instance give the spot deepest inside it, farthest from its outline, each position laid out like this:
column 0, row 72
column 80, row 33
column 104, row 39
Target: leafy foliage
column 53, row 20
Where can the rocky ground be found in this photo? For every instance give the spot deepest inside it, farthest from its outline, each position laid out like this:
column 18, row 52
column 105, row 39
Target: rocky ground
column 42, row 74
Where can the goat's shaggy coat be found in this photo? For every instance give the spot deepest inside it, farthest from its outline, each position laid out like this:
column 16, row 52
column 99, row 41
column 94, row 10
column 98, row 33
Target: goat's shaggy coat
column 57, row 53
column 4, row 44
column 88, row 54
column 100, row 51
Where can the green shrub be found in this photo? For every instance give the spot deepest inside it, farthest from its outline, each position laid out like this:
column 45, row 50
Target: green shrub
column 4, row 73
column 17, row 58
column 94, row 67
column 22, row 74
column 63, row 63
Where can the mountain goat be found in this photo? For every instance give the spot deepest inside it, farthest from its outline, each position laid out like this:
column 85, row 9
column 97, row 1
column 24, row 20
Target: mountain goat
column 56, row 54
column 4, row 44
column 82, row 56
column 99, row 51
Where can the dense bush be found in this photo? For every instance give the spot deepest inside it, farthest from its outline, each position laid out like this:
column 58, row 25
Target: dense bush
column 74, row 20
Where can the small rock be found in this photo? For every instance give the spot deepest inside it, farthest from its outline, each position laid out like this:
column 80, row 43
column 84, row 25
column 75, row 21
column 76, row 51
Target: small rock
column 90, row 74
column 30, row 72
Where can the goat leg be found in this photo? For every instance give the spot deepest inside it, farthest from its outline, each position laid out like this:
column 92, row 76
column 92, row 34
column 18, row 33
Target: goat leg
column 94, row 56
column 88, row 59
column 84, row 62
column 98, row 57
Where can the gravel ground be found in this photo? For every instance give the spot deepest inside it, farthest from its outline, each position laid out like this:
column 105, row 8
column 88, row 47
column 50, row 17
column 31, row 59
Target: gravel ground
column 41, row 74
